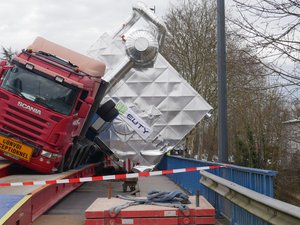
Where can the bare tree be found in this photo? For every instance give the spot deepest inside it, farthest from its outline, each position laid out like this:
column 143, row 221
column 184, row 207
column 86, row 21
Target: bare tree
column 191, row 49
column 191, row 45
column 272, row 27
column 255, row 112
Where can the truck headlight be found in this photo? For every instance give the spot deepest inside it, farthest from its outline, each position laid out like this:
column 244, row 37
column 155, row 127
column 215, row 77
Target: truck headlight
column 46, row 154
column 50, row 155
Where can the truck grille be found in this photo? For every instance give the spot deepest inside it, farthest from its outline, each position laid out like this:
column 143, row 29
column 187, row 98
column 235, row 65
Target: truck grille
column 24, row 124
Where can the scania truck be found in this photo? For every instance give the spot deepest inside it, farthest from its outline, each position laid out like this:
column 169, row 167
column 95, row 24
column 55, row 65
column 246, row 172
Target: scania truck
column 46, row 95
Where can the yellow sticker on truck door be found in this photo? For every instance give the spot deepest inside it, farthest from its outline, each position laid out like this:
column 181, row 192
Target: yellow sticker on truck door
column 15, row 148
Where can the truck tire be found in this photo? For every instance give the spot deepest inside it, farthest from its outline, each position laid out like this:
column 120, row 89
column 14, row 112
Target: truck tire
column 66, row 162
column 84, row 155
column 79, row 158
column 95, row 155
column 74, row 158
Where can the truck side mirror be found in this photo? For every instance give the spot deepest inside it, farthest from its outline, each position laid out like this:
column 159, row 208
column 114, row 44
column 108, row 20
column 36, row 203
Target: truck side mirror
column 3, row 67
column 84, row 110
column 89, row 100
column 2, row 64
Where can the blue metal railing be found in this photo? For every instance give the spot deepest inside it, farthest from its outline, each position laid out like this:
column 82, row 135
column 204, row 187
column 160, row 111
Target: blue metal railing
column 255, row 179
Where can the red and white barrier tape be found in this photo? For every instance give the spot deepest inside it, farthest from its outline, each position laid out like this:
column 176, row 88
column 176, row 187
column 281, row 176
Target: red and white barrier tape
column 109, row 177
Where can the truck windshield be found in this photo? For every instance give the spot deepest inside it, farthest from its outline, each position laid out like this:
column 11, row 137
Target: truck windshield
column 41, row 89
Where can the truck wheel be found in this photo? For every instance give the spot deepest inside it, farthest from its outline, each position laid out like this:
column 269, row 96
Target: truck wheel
column 66, row 161
column 84, row 156
column 74, row 157
column 78, row 157
column 94, row 155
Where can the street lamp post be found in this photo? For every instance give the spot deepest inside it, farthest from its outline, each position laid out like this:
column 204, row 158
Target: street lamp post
column 222, row 84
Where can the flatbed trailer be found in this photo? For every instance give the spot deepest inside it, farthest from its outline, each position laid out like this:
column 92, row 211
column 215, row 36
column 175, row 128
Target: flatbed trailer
column 75, row 203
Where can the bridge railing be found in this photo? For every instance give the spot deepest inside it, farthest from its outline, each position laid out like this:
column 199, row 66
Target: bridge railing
column 269, row 209
column 255, row 179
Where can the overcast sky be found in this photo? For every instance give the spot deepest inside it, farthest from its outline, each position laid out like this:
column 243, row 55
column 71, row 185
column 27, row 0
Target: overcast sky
column 75, row 24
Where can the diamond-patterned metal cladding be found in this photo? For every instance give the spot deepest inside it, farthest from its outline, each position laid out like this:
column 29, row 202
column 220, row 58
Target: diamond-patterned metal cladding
column 160, row 99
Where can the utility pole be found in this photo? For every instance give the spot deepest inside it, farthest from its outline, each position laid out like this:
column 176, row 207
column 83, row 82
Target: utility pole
column 222, row 84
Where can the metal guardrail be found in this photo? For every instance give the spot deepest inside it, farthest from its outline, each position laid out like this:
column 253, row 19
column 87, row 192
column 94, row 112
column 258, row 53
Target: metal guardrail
column 269, row 209
column 257, row 180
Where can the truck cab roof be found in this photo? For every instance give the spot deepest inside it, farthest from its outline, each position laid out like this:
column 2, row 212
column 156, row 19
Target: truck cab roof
column 86, row 64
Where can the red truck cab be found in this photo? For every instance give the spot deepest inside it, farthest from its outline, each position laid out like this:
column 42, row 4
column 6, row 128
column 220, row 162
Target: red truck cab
column 45, row 98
